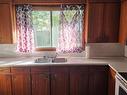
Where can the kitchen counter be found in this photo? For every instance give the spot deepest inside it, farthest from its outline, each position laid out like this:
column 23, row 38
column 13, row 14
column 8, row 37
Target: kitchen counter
column 119, row 64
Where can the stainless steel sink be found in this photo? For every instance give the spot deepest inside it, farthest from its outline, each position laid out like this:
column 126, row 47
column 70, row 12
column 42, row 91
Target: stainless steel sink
column 50, row 60
column 42, row 60
column 59, row 60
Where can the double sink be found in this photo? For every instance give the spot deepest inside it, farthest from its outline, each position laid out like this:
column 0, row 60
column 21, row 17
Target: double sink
column 50, row 60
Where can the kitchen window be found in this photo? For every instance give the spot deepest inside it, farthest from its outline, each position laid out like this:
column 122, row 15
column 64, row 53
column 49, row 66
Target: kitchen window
column 46, row 21
column 57, row 28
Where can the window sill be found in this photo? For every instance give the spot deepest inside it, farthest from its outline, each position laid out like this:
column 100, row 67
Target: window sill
column 45, row 49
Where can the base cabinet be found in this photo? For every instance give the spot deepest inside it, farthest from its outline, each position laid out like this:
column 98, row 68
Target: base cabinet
column 79, row 80
column 59, row 80
column 21, row 83
column 98, row 80
column 54, row 80
column 5, row 81
column 40, row 81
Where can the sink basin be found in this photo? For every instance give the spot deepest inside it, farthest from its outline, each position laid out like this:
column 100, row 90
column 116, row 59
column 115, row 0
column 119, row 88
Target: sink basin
column 42, row 60
column 59, row 60
column 53, row 60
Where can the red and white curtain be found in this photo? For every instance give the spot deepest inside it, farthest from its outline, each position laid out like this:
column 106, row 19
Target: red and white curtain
column 71, row 28
column 25, row 42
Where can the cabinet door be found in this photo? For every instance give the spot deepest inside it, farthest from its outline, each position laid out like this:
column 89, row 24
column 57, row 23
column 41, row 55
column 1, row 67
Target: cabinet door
column 123, row 23
column 5, row 25
column 40, row 81
column 103, row 22
column 59, row 81
column 5, row 82
column 95, row 22
column 111, row 81
column 79, row 80
column 111, row 22
column 5, row 1
column 49, row 1
column 98, row 80
column 103, row 1
column 21, row 81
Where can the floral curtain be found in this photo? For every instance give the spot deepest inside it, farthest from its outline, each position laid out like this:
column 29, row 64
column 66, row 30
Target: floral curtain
column 24, row 28
column 71, row 27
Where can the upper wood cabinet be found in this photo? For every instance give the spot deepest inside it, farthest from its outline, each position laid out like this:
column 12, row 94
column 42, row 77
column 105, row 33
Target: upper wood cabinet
column 103, row 1
column 5, row 23
column 5, row 81
column 103, row 22
column 123, row 22
column 5, row 1
column 48, row 1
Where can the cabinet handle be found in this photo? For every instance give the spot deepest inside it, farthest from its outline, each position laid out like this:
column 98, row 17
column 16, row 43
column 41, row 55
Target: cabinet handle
column 0, row 39
column 14, row 78
column 45, row 75
column 54, row 76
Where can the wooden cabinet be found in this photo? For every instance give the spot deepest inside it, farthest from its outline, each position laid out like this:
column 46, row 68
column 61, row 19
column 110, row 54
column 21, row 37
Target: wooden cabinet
column 40, row 81
column 98, row 78
column 5, row 1
column 5, row 81
column 103, row 22
column 111, row 81
column 103, row 1
column 55, row 80
column 79, row 80
column 48, row 1
column 59, row 80
column 21, row 83
column 95, row 22
column 6, row 23
column 123, row 22
column 111, row 22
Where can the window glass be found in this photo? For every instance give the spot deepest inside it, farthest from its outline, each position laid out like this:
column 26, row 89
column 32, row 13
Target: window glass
column 46, row 27
column 42, row 28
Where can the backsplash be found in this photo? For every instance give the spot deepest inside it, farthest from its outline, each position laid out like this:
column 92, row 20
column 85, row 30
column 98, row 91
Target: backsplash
column 126, row 51
column 95, row 50
column 9, row 50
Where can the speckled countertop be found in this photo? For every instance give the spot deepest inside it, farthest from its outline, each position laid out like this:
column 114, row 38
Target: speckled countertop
column 119, row 64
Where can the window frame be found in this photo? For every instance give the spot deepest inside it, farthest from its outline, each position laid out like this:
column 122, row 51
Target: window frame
column 57, row 8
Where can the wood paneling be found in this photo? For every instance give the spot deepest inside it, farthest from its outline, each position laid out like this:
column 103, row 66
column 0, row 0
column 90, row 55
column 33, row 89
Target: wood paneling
column 5, row 1
column 111, row 22
column 95, row 23
column 123, row 23
column 40, row 81
column 98, row 78
column 79, row 80
column 5, row 24
column 103, row 1
column 21, row 82
column 59, row 81
column 48, row 1
column 103, row 22
column 111, row 81
column 5, row 81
